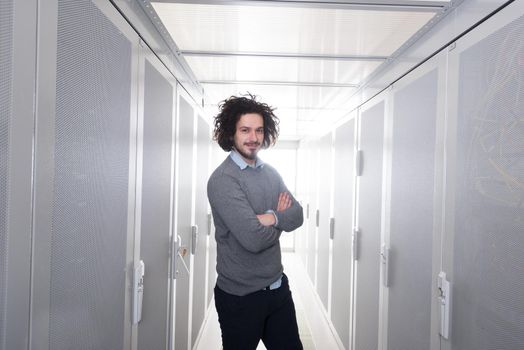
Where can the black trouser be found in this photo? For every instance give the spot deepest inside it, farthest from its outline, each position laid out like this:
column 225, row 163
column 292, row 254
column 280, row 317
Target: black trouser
column 267, row 314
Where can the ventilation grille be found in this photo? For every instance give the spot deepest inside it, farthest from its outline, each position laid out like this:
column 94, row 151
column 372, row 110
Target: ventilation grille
column 6, row 53
column 91, row 181
column 412, row 182
column 488, row 306
column 156, row 189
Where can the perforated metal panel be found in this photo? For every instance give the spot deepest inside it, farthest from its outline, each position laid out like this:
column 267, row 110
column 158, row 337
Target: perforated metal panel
column 344, row 173
column 488, row 283
column 302, row 195
column 411, row 225
column 6, row 53
column 185, row 175
column 217, row 155
column 90, row 201
column 324, row 198
column 313, row 195
column 202, row 174
column 212, row 261
column 156, row 189
column 369, row 211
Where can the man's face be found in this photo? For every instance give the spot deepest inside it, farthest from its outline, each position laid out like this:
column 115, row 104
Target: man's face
column 249, row 136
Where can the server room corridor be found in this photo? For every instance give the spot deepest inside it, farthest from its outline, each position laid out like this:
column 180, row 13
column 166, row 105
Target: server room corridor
column 401, row 135
column 314, row 329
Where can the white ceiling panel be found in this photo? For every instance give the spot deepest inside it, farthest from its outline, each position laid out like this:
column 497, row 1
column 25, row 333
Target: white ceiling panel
column 305, row 61
column 289, row 29
column 280, row 96
column 280, row 69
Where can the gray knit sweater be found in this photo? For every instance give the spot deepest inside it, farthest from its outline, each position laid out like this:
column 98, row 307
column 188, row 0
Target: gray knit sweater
column 248, row 253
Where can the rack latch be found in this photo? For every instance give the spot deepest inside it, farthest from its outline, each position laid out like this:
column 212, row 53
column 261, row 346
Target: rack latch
column 444, row 298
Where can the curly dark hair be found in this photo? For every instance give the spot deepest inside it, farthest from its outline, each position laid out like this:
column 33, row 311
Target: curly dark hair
column 234, row 107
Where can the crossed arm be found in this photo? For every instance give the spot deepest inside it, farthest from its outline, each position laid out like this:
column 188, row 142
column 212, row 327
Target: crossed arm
column 232, row 211
column 284, row 202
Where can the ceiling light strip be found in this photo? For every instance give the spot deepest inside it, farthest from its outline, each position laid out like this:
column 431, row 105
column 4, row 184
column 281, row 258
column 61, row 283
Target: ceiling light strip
column 277, row 83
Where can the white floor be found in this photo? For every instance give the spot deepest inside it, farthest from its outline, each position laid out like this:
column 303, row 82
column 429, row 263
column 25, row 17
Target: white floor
column 314, row 328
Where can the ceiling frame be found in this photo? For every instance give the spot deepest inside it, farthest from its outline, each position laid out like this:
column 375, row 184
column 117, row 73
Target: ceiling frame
column 377, row 5
column 203, row 53
column 277, row 83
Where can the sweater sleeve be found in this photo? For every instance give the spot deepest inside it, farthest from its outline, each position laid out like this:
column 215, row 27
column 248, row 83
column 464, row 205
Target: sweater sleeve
column 291, row 218
column 230, row 203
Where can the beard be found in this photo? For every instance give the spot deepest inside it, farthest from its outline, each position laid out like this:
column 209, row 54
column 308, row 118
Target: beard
column 251, row 155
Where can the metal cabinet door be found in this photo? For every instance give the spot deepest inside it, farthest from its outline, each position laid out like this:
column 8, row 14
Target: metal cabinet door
column 156, row 195
column 6, row 86
column 343, row 208
column 324, row 207
column 312, row 167
column 18, row 26
column 411, row 214
column 369, row 222
column 216, row 157
column 302, row 181
column 184, row 210
column 199, row 250
column 85, row 192
column 484, row 258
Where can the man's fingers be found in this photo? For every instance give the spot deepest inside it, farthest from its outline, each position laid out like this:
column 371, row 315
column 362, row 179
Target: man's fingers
column 288, row 201
column 284, row 201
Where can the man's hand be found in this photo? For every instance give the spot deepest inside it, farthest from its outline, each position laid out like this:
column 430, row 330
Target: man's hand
column 284, row 201
column 266, row 219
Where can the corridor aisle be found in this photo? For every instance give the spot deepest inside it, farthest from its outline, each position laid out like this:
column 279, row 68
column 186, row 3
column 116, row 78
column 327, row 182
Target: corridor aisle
column 314, row 329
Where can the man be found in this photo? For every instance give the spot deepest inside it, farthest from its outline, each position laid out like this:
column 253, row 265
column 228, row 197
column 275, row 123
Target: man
column 251, row 207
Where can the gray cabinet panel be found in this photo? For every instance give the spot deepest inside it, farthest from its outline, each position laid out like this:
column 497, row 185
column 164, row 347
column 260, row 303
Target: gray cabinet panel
column 344, row 178
column 212, row 262
column 302, row 182
column 217, row 156
column 91, row 166
column 6, row 53
column 324, row 198
column 199, row 268
column 411, row 222
column 488, row 239
column 155, row 213
column 369, row 218
column 312, row 195
column 183, row 228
